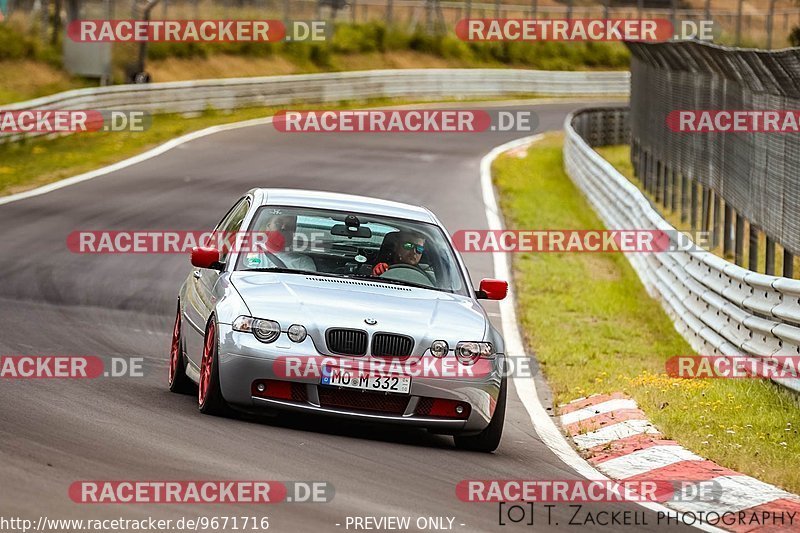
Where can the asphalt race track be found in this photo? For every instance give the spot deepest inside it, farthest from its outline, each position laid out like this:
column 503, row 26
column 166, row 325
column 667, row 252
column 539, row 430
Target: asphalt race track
column 54, row 432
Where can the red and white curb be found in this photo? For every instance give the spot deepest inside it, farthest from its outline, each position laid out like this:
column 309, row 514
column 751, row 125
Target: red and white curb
column 617, row 439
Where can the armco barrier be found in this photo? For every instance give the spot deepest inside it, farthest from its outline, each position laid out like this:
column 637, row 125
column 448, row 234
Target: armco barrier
column 232, row 93
column 719, row 307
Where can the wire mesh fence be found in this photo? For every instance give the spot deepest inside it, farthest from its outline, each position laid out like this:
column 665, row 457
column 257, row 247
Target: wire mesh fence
column 743, row 186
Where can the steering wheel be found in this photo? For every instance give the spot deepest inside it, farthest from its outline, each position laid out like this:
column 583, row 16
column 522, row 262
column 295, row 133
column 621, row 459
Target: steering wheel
column 406, row 266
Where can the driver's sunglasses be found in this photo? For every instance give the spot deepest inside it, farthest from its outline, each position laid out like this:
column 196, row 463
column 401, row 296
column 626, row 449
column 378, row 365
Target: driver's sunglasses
column 420, row 249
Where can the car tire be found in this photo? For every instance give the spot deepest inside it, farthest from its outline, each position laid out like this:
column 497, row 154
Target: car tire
column 489, row 439
column 178, row 381
column 209, row 392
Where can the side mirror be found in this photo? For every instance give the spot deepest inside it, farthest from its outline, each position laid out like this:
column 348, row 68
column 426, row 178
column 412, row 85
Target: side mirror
column 492, row 289
column 205, row 257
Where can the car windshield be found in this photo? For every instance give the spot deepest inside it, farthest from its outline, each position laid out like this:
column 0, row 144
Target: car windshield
column 353, row 245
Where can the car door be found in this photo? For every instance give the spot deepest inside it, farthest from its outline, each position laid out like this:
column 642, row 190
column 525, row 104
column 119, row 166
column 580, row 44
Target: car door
column 200, row 288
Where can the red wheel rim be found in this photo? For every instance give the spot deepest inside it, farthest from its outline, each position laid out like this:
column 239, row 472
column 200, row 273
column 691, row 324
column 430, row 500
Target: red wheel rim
column 174, row 352
column 205, row 365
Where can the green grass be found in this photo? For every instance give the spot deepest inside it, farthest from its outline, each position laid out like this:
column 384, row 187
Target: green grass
column 594, row 329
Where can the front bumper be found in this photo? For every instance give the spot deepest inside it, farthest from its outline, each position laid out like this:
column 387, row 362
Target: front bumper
column 243, row 359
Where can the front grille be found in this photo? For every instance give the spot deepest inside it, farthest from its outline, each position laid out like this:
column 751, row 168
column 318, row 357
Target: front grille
column 391, row 345
column 346, row 341
column 390, row 404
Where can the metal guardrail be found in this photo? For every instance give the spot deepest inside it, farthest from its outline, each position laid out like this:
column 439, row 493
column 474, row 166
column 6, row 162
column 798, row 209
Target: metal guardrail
column 718, row 307
column 232, row 93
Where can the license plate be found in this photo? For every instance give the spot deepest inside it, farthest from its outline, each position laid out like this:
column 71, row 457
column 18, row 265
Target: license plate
column 353, row 379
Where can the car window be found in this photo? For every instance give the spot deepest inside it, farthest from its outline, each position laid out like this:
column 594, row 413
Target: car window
column 232, row 223
column 352, row 245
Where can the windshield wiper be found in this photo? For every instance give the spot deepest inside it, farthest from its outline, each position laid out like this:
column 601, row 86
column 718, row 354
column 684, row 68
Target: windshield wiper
column 282, row 270
column 392, row 281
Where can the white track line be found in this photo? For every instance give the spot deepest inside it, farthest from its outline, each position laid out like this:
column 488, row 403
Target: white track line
column 144, row 156
column 525, row 386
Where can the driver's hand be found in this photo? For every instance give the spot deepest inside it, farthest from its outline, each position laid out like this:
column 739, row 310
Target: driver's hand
column 380, row 268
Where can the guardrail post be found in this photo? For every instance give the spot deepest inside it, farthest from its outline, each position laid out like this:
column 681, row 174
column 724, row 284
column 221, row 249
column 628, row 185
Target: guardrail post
column 675, row 187
column 769, row 261
column 715, row 228
column 739, row 23
column 705, row 220
column 534, row 7
column 752, row 262
column 389, row 12
column 693, row 215
column 658, row 183
column 684, row 198
column 727, row 231
column 788, row 264
column 739, row 252
column 770, row 17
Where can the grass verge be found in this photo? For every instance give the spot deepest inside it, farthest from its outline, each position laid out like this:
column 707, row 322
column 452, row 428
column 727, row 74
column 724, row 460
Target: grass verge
column 594, row 329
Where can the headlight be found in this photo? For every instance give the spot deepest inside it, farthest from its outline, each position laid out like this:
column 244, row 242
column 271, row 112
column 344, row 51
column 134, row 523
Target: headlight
column 264, row 330
column 297, row 333
column 439, row 348
column 467, row 352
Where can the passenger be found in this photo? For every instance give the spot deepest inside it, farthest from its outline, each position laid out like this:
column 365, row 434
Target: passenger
column 281, row 233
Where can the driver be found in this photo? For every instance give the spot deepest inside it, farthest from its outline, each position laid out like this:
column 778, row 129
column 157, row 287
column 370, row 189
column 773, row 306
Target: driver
column 280, row 230
column 408, row 250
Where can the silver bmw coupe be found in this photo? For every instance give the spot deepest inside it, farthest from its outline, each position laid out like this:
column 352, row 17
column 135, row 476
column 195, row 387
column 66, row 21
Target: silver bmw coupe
column 343, row 306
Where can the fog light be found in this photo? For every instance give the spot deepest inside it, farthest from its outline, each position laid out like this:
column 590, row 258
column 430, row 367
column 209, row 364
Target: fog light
column 297, row 333
column 260, row 387
column 439, row 348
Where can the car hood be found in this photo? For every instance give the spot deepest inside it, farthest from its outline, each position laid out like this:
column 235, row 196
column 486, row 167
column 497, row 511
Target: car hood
column 322, row 302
